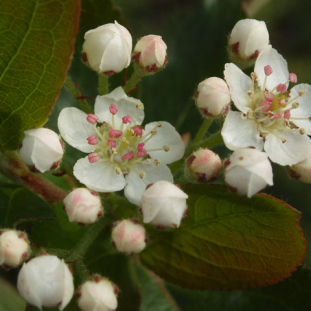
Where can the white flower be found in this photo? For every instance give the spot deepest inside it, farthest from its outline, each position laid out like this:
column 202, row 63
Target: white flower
column 150, row 53
column 128, row 236
column 270, row 117
column 14, row 248
column 213, row 97
column 122, row 154
column 302, row 170
column 98, row 294
column 83, row 206
column 248, row 171
column 46, row 281
column 163, row 204
column 107, row 49
column 41, row 148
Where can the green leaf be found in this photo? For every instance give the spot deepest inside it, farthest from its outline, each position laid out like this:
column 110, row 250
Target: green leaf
column 10, row 299
column 228, row 242
column 18, row 204
column 37, row 40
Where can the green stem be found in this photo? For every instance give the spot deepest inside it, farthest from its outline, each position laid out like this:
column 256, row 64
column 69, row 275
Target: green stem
column 72, row 88
column 183, row 115
column 202, row 130
column 135, row 78
column 103, row 84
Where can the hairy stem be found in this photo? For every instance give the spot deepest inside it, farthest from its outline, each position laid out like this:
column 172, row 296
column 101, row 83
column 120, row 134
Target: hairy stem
column 135, row 78
column 103, row 86
column 202, row 130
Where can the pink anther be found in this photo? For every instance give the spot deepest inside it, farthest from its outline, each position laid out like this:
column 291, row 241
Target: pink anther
column 286, row 114
column 268, row 70
column 141, row 153
column 92, row 137
column 114, row 133
column 93, row 157
column 137, row 131
column 113, row 109
column 269, row 97
column 277, row 116
column 118, row 133
column 293, row 77
column 127, row 119
column 266, row 105
column 128, row 156
column 92, row 142
column 111, row 143
column 140, row 146
column 91, row 118
column 281, row 88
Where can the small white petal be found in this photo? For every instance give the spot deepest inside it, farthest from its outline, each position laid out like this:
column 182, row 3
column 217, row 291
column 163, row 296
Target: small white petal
column 135, row 186
column 127, row 38
column 270, row 56
column 166, row 136
column 240, row 132
column 75, row 129
column 99, row 176
column 239, row 84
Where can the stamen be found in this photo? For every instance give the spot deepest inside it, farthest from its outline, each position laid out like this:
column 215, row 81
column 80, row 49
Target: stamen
column 118, row 170
column 295, row 105
column 137, row 131
column 301, row 92
column 269, row 96
column 113, row 109
column 126, row 119
column 91, row 118
column 277, row 116
column 268, row 70
column 266, row 105
column 128, row 156
column 166, row 148
column 160, row 124
column 281, row 88
column 142, row 174
column 293, row 78
column 139, row 106
column 286, row 114
column 93, row 157
column 157, row 162
column 302, row 131
column 284, row 140
column 114, row 133
column 111, row 143
column 140, row 146
column 141, row 153
column 92, row 140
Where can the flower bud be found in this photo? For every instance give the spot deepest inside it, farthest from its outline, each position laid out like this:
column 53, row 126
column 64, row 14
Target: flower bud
column 107, row 49
column 46, row 281
column 246, row 40
column 14, row 248
column 213, row 97
column 301, row 170
column 150, row 53
column 83, row 206
column 203, row 165
column 41, row 149
column 98, row 294
column 163, row 204
column 248, row 171
column 129, row 236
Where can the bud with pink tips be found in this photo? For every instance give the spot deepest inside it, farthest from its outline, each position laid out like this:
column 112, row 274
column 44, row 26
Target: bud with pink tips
column 129, row 236
column 203, row 165
column 150, row 53
column 14, row 248
column 98, row 294
column 301, row 170
column 41, row 149
column 246, row 40
column 163, row 204
column 248, row 171
column 213, row 97
column 46, row 281
column 83, row 206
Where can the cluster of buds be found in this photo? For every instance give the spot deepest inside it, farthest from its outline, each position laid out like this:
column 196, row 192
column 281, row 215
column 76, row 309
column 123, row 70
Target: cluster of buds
column 83, row 206
column 163, row 204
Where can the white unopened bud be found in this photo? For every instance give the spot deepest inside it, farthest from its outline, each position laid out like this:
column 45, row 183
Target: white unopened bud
column 107, row 49
column 213, row 97
column 203, row 165
column 83, row 206
column 14, row 248
column 41, row 149
column 163, row 204
column 129, row 236
column 46, row 281
column 150, row 53
column 247, row 39
column 98, row 294
column 248, row 171
column 301, row 170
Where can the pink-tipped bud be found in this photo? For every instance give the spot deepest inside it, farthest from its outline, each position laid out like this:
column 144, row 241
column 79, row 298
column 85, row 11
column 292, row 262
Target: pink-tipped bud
column 91, row 118
column 137, row 131
column 281, row 88
column 287, row 114
column 140, row 146
column 141, row 153
column 93, row 157
column 293, row 78
column 277, row 116
column 268, row 70
column 269, row 97
column 111, row 143
column 113, row 109
column 266, row 105
column 128, row 156
column 126, row 119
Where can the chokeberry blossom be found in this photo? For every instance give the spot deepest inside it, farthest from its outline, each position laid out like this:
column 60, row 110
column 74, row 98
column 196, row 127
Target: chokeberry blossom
column 271, row 117
column 122, row 154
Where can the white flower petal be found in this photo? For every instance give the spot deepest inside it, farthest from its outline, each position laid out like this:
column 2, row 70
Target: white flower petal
column 166, row 136
column 75, row 129
column 239, row 84
column 304, row 110
column 127, row 38
column 295, row 149
column 270, row 56
column 135, row 186
column 98, row 176
column 117, row 94
column 240, row 132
